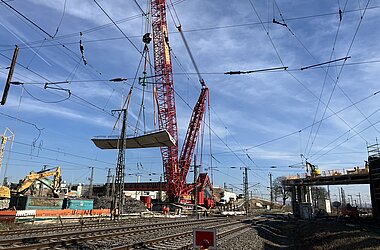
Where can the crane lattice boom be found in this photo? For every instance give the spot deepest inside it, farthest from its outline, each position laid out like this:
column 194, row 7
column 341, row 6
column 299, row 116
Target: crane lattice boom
column 175, row 170
column 192, row 134
column 165, row 94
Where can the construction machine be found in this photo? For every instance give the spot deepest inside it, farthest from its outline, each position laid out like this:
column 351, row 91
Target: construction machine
column 25, row 184
column 314, row 170
column 5, row 195
column 176, row 163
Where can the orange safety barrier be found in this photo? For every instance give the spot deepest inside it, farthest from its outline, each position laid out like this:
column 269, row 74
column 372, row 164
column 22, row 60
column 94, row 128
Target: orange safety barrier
column 8, row 216
column 62, row 212
column 68, row 212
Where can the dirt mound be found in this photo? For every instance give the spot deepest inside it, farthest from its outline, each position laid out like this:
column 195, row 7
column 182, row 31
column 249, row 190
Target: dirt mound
column 130, row 205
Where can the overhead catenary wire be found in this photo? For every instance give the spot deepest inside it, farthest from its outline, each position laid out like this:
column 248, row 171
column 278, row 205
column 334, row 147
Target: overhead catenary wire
column 340, row 72
column 117, row 26
column 26, row 18
column 200, row 78
column 329, row 66
column 331, row 61
column 319, row 67
column 63, row 47
column 278, row 55
column 323, row 88
column 191, row 30
column 60, row 21
column 306, row 127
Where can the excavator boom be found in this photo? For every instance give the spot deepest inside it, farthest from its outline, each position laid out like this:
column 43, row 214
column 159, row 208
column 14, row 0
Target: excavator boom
column 32, row 177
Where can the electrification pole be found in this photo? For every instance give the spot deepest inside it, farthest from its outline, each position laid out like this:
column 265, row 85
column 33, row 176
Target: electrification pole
column 271, row 190
column 91, row 188
column 246, row 194
column 109, row 176
column 160, row 193
column 9, row 79
column 120, row 168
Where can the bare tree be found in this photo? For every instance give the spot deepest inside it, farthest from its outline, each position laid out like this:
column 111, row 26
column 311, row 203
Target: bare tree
column 279, row 190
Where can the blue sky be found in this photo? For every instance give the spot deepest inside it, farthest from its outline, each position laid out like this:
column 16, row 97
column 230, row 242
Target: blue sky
column 267, row 115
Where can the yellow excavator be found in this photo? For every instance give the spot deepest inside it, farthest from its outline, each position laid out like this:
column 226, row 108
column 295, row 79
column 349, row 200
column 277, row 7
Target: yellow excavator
column 41, row 176
column 5, row 195
column 25, row 184
column 314, row 170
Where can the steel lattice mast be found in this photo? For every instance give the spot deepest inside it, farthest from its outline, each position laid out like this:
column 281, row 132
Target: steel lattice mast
column 165, row 95
column 192, row 134
column 118, row 199
column 175, row 170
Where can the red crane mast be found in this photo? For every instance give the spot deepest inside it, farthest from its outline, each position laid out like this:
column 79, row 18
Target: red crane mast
column 175, row 170
column 165, row 94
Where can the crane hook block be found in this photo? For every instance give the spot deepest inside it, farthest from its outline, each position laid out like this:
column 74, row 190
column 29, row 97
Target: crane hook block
column 147, row 38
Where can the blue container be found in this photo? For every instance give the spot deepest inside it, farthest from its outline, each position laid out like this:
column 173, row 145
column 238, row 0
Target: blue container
column 79, row 204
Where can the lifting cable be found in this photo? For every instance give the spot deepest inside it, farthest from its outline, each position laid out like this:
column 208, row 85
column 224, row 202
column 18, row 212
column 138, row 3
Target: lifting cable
column 147, row 38
column 143, row 81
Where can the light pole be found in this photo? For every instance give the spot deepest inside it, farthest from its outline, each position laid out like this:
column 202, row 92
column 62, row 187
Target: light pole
column 350, row 199
column 360, row 200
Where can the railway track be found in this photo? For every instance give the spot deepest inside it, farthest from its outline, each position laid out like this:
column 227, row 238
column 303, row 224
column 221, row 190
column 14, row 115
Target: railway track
column 41, row 230
column 184, row 240
column 101, row 238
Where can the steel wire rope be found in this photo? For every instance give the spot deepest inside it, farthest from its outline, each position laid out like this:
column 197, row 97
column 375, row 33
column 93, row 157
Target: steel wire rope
column 26, row 18
column 97, row 27
column 189, row 78
column 47, row 158
column 52, row 37
column 63, row 152
column 67, row 167
column 26, row 67
column 200, row 78
column 306, row 127
column 377, row 110
column 203, row 29
column 320, row 96
column 303, row 85
column 266, row 32
column 188, row 74
column 329, row 66
column 39, row 75
column 232, row 151
column 191, row 108
column 21, row 120
column 89, row 104
column 60, row 21
column 323, row 85
column 349, row 138
column 347, row 132
column 341, row 69
column 70, row 162
column 274, row 47
column 117, row 26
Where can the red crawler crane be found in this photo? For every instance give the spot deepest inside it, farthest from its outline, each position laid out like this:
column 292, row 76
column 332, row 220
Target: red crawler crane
column 175, row 170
